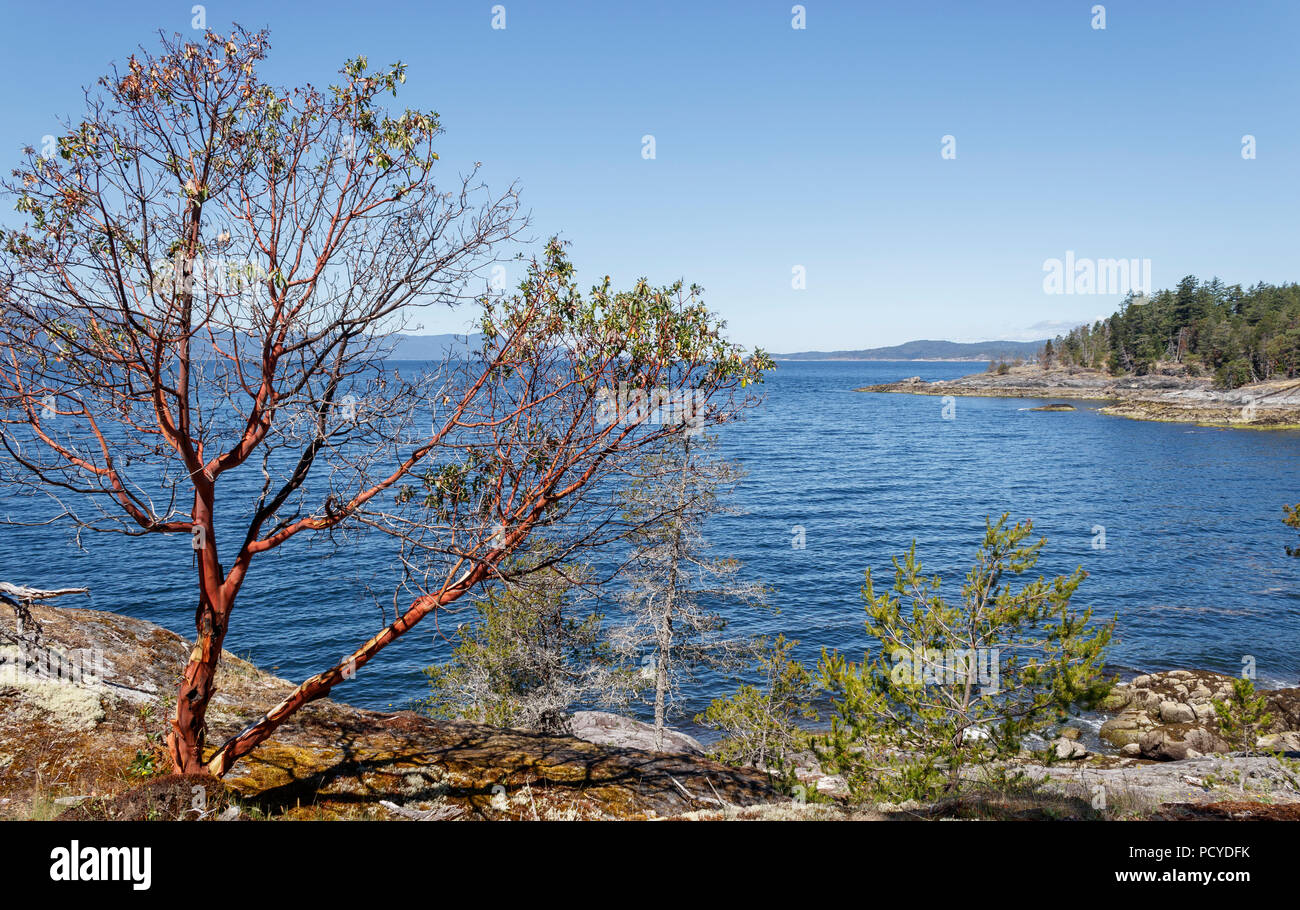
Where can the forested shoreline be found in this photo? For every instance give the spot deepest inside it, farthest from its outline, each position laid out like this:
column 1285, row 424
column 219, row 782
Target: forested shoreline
column 1238, row 335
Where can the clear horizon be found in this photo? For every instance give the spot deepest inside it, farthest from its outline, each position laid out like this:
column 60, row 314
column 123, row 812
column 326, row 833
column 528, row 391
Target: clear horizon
column 819, row 148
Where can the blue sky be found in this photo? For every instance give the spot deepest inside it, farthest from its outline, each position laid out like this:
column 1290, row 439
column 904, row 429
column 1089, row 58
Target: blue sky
column 819, row 147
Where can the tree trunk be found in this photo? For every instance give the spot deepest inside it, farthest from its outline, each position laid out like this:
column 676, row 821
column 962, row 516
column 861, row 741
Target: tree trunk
column 665, row 625
column 189, row 727
column 661, row 686
column 319, row 686
column 211, row 619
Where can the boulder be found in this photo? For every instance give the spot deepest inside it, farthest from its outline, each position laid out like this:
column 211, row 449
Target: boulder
column 1069, row 749
column 605, row 729
column 1128, row 727
column 1281, row 742
column 832, row 785
column 1175, row 742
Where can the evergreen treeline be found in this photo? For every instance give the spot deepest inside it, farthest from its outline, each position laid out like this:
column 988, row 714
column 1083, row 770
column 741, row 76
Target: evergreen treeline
column 1239, row 335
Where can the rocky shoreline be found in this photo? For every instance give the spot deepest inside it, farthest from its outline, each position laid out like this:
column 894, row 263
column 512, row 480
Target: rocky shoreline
column 87, row 744
column 1169, row 396
column 1170, row 716
column 90, row 739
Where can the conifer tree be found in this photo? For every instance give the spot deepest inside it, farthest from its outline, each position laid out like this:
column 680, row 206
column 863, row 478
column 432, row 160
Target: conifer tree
column 675, row 586
column 1243, row 716
column 762, row 723
column 535, row 651
column 955, row 685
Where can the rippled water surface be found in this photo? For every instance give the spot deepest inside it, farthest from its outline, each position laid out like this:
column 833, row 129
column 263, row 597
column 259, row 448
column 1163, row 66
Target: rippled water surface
column 1194, row 563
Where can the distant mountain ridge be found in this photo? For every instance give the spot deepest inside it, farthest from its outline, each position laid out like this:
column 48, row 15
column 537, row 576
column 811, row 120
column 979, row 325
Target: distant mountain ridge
column 930, row 350
column 431, row 347
column 438, row 347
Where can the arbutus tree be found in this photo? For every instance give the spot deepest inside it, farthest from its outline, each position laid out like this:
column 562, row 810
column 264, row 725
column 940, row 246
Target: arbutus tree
column 203, row 285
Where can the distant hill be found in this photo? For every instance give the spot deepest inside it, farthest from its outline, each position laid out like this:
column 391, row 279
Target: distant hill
column 394, row 347
column 431, row 347
column 931, row 350
column 438, row 347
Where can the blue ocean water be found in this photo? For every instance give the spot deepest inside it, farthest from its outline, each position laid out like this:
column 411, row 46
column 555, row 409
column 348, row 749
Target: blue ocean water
column 1194, row 563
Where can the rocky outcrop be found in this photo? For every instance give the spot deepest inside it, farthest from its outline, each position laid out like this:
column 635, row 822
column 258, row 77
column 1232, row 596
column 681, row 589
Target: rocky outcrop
column 84, row 703
column 605, row 729
column 1170, row 396
column 1134, row 787
column 1170, row 716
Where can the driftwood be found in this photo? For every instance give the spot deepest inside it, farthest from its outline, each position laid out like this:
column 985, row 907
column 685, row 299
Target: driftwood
column 18, row 595
column 692, row 797
column 21, row 599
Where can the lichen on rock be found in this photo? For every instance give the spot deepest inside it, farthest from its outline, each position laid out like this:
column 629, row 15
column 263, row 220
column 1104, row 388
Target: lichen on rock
column 331, row 760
